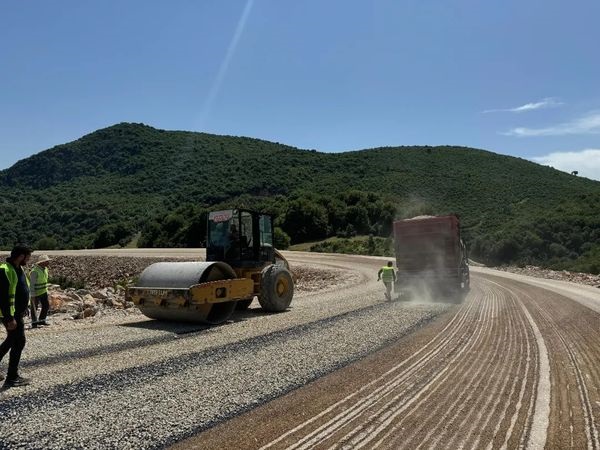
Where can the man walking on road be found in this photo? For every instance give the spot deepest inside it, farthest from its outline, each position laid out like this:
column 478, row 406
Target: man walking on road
column 39, row 296
column 388, row 276
column 14, row 300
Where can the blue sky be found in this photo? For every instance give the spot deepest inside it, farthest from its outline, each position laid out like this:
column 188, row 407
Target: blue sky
column 514, row 77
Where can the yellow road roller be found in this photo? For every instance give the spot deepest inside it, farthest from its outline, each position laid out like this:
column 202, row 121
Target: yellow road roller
column 241, row 263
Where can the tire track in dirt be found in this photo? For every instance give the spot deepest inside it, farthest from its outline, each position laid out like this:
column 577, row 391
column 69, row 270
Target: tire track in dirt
column 407, row 401
column 457, row 370
column 515, row 366
column 490, row 393
column 454, row 387
column 512, row 376
column 460, row 396
column 578, row 350
column 436, row 345
column 514, row 380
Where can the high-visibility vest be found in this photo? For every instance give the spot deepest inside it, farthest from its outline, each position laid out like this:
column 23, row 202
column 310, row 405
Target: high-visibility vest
column 41, row 280
column 387, row 274
column 13, row 280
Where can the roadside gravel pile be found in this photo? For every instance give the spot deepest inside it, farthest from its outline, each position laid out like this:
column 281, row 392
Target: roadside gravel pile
column 95, row 272
column 104, row 279
column 311, row 279
column 562, row 275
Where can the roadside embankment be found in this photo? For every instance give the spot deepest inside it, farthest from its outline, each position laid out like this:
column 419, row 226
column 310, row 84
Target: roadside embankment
column 562, row 275
column 93, row 287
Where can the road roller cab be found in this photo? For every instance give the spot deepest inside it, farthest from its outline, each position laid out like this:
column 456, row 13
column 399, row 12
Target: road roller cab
column 241, row 263
column 241, row 238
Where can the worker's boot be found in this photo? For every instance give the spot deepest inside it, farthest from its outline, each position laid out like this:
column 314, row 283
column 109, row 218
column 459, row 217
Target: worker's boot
column 16, row 382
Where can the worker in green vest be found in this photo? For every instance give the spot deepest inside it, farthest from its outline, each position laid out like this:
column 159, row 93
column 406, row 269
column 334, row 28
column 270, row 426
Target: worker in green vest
column 14, row 299
column 38, row 280
column 388, row 276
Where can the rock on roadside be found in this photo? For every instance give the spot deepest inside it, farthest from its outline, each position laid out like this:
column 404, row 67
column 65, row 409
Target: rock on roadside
column 105, row 279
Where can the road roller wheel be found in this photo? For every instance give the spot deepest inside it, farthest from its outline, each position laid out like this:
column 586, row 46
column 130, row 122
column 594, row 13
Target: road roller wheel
column 277, row 288
column 243, row 305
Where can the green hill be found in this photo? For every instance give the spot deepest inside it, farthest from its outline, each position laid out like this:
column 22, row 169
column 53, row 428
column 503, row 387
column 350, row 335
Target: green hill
column 127, row 179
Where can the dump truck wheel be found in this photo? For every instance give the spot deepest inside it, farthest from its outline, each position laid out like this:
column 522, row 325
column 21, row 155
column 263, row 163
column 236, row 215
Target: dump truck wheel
column 243, row 305
column 277, row 289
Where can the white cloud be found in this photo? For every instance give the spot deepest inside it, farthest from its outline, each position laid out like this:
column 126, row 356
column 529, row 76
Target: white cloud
column 586, row 162
column 548, row 102
column 589, row 124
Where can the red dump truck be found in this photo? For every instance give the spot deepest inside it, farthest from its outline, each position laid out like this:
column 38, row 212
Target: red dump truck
column 429, row 250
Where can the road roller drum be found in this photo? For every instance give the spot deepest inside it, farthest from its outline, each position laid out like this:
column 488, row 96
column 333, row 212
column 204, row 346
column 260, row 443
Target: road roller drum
column 201, row 292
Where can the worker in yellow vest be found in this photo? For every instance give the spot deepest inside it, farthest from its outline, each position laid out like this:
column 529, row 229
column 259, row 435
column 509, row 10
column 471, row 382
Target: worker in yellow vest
column 14, row 299
column 388, row 276
column 39, row 291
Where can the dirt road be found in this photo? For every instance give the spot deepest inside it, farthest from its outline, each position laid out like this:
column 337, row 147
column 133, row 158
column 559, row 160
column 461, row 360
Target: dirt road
column 514, row 365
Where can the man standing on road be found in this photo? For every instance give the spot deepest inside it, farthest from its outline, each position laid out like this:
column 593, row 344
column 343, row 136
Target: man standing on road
column 14, row 299
column 39, row 284
column 388, row 276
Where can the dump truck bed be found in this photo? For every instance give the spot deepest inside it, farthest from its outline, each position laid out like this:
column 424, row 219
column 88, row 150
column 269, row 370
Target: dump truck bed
column 429, row 248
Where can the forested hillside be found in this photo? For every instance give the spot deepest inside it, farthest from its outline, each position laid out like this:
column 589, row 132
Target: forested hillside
column 134, row 180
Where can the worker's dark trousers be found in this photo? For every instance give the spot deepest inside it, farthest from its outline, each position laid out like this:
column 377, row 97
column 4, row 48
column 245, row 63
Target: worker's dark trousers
column 43, row 301
column 15, row 342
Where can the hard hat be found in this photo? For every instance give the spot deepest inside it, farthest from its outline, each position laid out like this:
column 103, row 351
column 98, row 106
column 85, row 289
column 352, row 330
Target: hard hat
column 43, row 258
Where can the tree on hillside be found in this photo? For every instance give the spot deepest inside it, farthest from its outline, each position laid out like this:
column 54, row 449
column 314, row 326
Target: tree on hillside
column 281, row 239
column 305, row 221
column 358, row 217
column 112, row 234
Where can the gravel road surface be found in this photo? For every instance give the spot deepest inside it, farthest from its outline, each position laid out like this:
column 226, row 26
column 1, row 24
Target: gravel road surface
column 514, row 365
column 146, row 384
